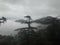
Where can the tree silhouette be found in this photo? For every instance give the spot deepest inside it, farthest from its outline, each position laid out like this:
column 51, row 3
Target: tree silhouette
column 26, row 32
column 53, row 29
column 3, row 20
column 28, row 22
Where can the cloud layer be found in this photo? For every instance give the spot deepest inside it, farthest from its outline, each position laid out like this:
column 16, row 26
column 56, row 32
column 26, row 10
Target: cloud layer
column 35, row 8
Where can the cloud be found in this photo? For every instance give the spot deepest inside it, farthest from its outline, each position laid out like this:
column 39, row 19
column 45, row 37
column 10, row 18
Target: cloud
column 35, row 8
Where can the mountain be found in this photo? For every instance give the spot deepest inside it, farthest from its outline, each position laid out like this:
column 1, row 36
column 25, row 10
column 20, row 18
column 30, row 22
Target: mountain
column 46, row 20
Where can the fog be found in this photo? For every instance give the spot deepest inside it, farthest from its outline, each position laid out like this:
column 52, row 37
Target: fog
column 8, row 28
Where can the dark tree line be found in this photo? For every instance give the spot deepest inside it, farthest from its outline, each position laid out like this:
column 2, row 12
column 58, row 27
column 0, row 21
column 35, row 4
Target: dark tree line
column 28, row 36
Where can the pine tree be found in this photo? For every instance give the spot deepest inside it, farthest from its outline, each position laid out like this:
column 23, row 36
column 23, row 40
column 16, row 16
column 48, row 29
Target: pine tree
column 26, row 34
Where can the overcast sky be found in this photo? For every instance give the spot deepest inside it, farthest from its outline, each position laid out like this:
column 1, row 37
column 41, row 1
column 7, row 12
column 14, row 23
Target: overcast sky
column 34, row 8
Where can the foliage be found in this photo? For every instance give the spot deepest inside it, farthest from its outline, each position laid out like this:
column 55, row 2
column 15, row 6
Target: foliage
column 28, row 36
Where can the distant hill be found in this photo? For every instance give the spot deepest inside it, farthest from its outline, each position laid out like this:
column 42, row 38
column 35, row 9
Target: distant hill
column 45, row 20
